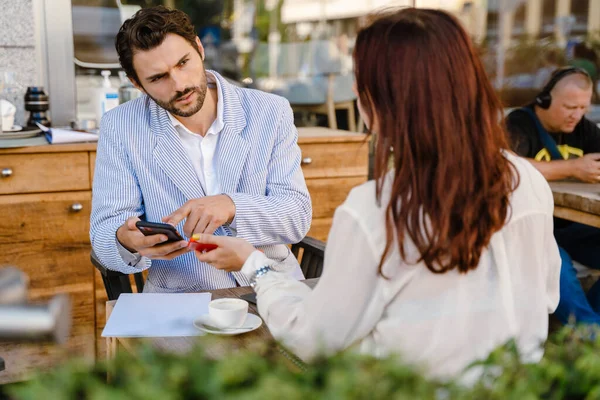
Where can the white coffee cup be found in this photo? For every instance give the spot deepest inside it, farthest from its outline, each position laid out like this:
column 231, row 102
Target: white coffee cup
column 7, row 113
column 228, row 312
column 8, row 122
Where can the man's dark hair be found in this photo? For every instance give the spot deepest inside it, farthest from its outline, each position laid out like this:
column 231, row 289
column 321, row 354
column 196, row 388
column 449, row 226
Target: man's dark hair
column 147, row 29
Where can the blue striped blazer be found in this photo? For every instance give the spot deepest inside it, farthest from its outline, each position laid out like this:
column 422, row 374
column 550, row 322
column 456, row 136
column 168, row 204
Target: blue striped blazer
column 143, row 169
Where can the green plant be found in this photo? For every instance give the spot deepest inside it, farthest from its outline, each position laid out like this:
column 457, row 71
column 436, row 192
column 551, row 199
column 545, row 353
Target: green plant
column 528, row 55
column 264, row 19
column 570, row 369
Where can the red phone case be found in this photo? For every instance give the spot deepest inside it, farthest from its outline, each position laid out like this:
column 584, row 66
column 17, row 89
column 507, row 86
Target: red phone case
column 201, row 247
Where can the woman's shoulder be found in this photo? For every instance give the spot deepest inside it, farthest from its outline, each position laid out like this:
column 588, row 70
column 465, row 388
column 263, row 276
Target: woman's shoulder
column 361, row 205
column 524, row 167
column 533, row 192
column 361, row 196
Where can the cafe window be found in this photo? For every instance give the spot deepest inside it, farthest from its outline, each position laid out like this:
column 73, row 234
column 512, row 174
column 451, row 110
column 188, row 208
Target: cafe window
column 579, row 9
column 492, row 24
column 540, row 35
column 519, row 21
column 95, row 25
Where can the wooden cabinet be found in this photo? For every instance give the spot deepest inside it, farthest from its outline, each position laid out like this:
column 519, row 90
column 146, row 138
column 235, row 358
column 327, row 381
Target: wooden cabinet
column 45, row 201
column 333, row 163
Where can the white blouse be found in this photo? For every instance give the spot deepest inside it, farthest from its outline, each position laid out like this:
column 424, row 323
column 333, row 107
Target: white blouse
column 442, row 322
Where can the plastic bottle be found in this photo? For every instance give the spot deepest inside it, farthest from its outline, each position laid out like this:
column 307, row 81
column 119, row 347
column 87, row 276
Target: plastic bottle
column 9, row 91
column 127, row 91
column 107, row 97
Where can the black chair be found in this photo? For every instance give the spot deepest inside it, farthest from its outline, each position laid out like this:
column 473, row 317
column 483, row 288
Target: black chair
column 311, row 252
column 116, row 282
column 311, row 257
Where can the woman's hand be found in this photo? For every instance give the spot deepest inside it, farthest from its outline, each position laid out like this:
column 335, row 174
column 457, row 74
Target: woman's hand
column 230, row 255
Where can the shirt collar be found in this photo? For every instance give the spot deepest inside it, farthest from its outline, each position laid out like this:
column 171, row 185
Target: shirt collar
column 218, row 124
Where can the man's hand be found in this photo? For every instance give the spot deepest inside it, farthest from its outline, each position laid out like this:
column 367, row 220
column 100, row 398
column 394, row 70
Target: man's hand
column 148, row 246
column 587, row 168
column 230, row 255
column 203, row 215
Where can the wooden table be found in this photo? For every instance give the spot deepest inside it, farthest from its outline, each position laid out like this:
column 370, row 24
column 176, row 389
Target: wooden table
column 215, row 346
column 578, row 202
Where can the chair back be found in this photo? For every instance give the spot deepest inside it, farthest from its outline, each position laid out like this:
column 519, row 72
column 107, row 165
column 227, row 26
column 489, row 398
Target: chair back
column 310, row 253
column 116, row 282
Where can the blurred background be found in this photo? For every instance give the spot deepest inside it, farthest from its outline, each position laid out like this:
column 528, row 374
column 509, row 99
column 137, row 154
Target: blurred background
column 302, row 49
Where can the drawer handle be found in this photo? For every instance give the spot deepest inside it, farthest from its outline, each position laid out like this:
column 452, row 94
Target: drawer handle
column 306, row 161
column 76, row 207
column 7, row 172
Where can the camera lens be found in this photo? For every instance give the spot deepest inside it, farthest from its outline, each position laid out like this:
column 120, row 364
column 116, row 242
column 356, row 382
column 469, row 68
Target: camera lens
column 36, row 102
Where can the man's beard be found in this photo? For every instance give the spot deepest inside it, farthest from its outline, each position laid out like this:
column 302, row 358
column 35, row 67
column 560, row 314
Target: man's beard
column 172, row 108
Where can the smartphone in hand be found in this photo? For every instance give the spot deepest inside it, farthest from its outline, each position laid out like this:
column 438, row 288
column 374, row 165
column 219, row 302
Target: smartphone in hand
column 156, row 228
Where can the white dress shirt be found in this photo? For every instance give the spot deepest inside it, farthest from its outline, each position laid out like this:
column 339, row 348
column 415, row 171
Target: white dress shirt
column 440, row 321
column 201, row 151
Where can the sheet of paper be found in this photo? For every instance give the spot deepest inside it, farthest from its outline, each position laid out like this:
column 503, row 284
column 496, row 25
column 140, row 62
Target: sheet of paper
column 156, row 314
column 59, row 136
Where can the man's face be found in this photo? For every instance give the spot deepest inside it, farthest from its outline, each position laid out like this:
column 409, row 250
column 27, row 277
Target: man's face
column 173, row 75
column 569, row 104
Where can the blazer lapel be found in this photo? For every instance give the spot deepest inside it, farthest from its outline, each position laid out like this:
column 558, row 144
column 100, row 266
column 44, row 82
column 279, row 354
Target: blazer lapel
column 231, row 157
column 171, row 156
column 233, row 148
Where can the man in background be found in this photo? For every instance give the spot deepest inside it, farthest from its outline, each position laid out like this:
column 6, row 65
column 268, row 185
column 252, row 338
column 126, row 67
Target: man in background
column 553, row 133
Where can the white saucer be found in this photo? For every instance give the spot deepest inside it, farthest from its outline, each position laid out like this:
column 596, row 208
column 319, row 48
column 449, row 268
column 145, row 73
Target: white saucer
column 252, row 323
column 15, row 128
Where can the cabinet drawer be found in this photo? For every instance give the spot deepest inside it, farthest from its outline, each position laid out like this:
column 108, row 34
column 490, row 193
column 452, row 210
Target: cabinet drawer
column 328, row 160
column 44, row 172
column 47, row 236
column 327, row 194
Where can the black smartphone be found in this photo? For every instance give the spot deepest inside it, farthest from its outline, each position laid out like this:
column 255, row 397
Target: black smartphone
column 156, row 228
column 250, row 297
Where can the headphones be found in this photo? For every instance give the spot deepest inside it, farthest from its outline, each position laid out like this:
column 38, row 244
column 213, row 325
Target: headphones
column 544, row 99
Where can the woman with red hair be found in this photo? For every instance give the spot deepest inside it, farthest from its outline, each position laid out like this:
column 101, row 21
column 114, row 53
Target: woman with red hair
column 449, row 252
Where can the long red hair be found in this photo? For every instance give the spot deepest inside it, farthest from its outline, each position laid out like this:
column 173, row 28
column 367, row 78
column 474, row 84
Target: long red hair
column 440, row 127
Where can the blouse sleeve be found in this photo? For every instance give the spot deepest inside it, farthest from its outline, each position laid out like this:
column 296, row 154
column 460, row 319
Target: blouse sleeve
column 340, row 309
